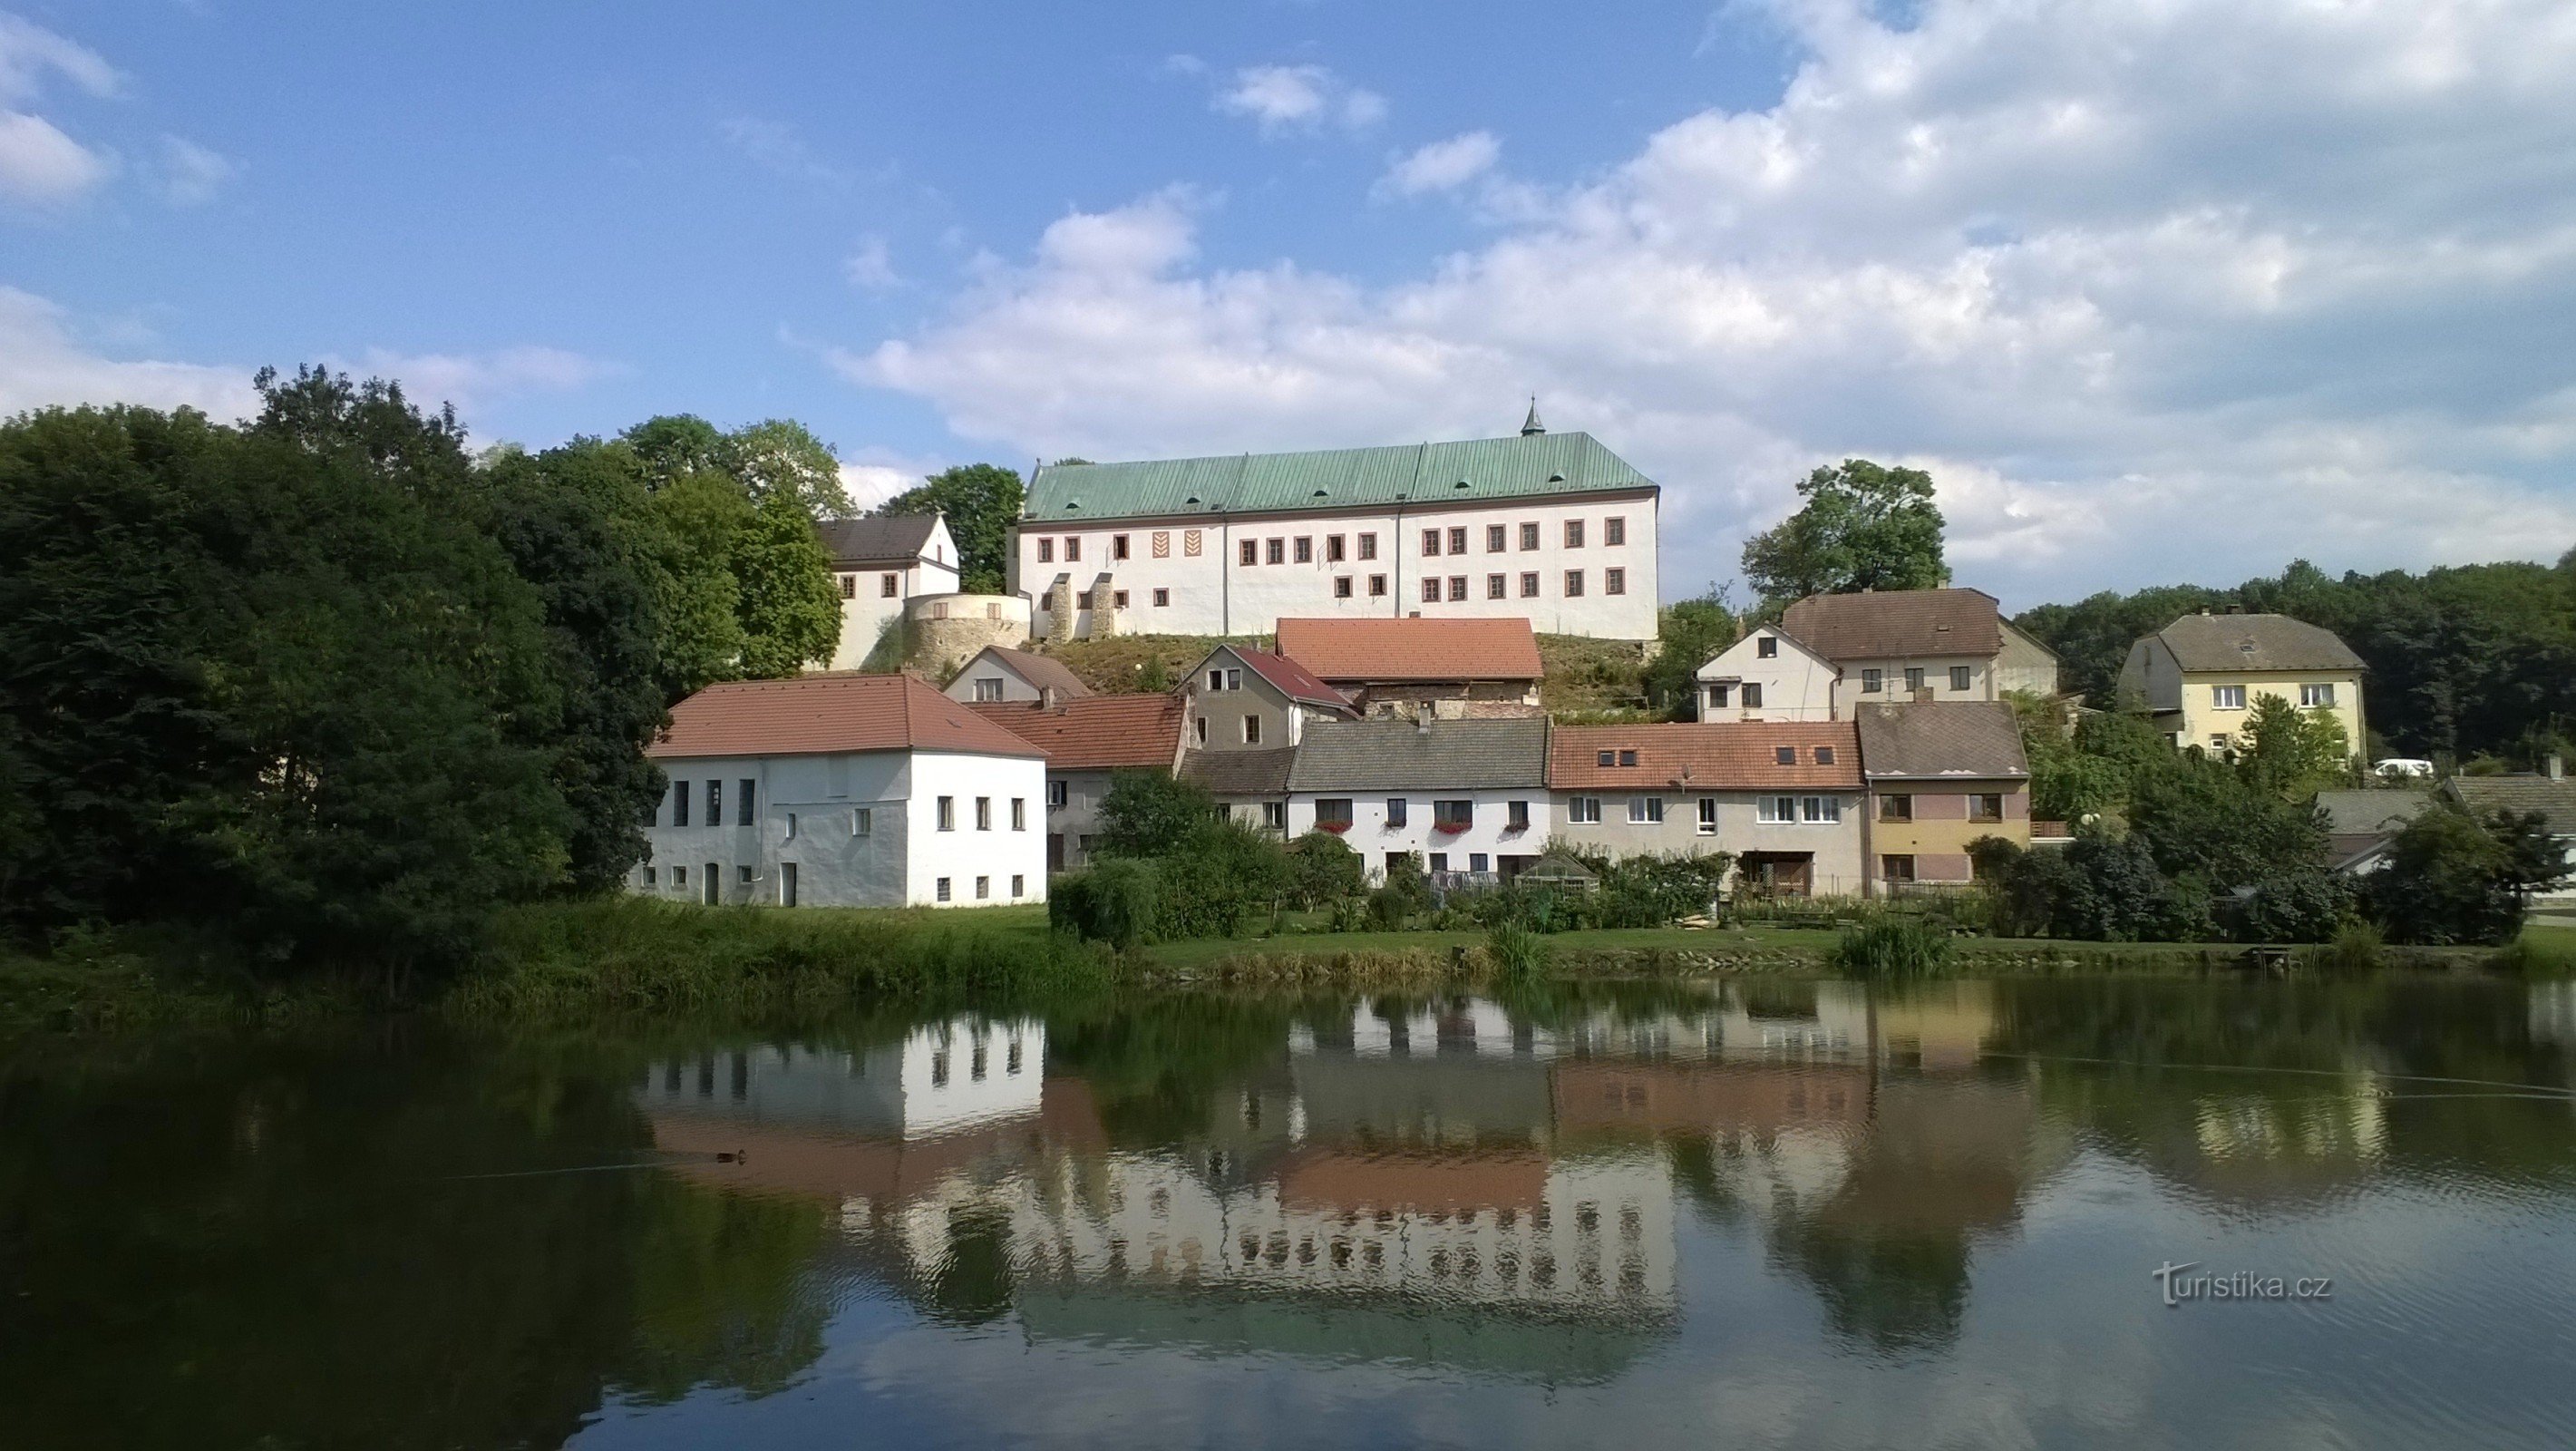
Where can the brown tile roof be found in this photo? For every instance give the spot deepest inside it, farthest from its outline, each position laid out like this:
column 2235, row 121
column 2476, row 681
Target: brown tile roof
column 1732, row 756
column 2255, row 642
column 1978, row 739
column 1042, row 671
column 1288, row 677
column 1096, row 733
column 880, row 539
column 1240, row 773
column 1365, row 650
column 827, row 715
column 1889, row 623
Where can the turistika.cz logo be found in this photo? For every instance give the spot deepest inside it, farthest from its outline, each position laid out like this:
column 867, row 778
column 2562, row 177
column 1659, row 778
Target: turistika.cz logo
column 2180, row 1287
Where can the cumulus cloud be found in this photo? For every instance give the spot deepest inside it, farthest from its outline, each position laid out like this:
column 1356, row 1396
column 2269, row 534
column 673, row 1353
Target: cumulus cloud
column 873, row 475
column 2156, row 288
column 44, row 363
column 1291, row 98
column 40, row 164
column 1442, row 165
column 475, row 380
column 870, row 267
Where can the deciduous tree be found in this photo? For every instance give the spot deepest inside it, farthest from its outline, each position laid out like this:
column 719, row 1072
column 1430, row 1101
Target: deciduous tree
column 1863, row 526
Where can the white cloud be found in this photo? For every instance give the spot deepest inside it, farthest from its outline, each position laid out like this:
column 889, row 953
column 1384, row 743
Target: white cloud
column 870, row 267
column 2145, row 315
column 777, row 147
column 473, row 381
column 874, row 475
column 40, row 164
column 1442, row 165
column 1286, row 98
column 42, row 363
column 188, row 174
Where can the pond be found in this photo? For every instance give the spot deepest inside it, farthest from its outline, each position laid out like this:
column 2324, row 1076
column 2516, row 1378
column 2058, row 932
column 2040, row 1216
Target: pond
column 2101, row 1212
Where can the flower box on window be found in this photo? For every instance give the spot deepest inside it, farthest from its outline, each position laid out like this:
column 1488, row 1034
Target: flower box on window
column 1335, row 827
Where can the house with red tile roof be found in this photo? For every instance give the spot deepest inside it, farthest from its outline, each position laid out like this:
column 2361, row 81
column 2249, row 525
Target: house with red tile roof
column 1449, row 669
column 1243, row 713
column 1000, row 673
column 1088, row 742
column 843, row 791
column 1783, row 798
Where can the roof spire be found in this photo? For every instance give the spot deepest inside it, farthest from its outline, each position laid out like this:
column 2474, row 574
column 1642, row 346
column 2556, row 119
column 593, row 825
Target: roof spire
column 1531, row 426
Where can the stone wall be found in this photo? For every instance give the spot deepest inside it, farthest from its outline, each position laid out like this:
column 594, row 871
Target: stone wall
column 948, row 630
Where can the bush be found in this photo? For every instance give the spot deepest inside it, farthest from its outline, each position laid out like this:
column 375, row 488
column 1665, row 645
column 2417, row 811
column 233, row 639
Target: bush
column 1222, row 873
column 1404, row 876
column 2452, row 877
column 1322, row 868
column 1389, row 909
column 1517, row 951
column 1892, row 947
column 1113, row 902
column 2356, row 951
column 2304, row 905
column 1147, row 813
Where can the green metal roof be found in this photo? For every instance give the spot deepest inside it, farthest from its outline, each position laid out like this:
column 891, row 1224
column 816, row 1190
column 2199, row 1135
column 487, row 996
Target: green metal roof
column 1338, row 478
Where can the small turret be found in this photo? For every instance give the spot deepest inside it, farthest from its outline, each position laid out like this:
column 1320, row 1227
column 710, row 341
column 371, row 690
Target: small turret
column 1530, row 426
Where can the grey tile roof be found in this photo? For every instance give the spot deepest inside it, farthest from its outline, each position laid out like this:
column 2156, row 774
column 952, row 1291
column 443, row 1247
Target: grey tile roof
column 1884, row 624
column 2359, row 813
column 876, row 540
column 1962, row 738
column 2255, row 642
column 2555, row 800
column 1440, row 755
column 1240, row 773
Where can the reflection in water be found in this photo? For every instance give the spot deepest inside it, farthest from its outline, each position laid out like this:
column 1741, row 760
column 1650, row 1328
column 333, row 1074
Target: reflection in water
column 1779, row 1212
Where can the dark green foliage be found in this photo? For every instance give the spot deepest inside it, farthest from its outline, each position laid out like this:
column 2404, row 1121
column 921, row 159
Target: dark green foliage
column 1322, row 868
column 1516, row 951
column 2200, row 818
column 790, row 607
column 2111, row 891
column 1687, row 633
column 1863, row 526
column 1217, row 879
column 1892, row 947
column 2067, row 783
column 2301, row 904
column 738, row 511
column 1390, row 909
column 273, row 677
column 1114, row 901
column 2292, row 753
column 1650, row 891
column 1147, row 813
column 981, row 501
column 1408, row 882
column 2476, row 658
column 2457, row 878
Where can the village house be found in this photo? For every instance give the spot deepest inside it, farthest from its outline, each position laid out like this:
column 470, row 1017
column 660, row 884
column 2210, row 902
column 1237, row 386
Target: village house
column 1452, row 669
column 999, row 673
column 1833, row 653
column 2548, row 792
column 879, row 564
column 1552, row 528
column 2199, row 677
column 1469, row 796
column 1243, row 713
column 1782, row 798
column 843, row 791
column 1088, row 740
column 1940, row 776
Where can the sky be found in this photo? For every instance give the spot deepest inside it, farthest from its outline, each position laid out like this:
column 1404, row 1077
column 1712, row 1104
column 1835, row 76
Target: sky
column 2157, row 290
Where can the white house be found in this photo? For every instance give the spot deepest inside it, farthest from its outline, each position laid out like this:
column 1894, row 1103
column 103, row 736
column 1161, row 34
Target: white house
column 879, row 563
column 1770, row 674
column 844, row 791
column 1467, row 795
column 937, row 1079
column 1551, row 528
column 1830, row 654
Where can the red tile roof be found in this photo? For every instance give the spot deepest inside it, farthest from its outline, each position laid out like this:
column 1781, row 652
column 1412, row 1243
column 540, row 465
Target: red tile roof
column 1096, row 732
column 827, row 715
column 1363, row 650
column 1040, row 671
column 1290, row 678
column 1715, row 757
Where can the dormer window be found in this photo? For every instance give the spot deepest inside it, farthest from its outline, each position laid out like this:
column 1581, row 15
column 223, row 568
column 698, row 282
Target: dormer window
column 1785, row 755
column 1627, row 758
column 1824, row 755
column 1767, row 647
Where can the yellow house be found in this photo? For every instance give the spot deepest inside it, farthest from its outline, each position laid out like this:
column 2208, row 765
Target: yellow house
column 2198, row 678
column 1940, row 775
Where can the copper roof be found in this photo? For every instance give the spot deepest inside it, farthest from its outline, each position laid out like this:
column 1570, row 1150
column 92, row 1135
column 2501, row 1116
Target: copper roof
column 827, row 715
column 1040, row 671
column 1884, row 624
column 1727, row 756
column 1096, row 733
column 1363, row 650
column 1948, row 738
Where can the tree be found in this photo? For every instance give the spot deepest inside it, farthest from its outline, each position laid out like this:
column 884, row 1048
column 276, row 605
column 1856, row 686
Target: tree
column 789, row 607
column 782, row 456
column 1147, row 813
column 674, row 446
column 2293, row 753
column 1322, row 868
column 1863, row 526
column 2457, row 877
column 982, row 502
column 1687, row 633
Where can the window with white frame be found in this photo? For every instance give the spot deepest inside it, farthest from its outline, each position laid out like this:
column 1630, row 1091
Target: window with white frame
column 989, row 688
column 1059, row 792
column 1645, row 810
column 1252, row 730
column 2317, row 696
column 1583, row 810
column 2227, row 697
column 863, row 821
column 1822, row 810
column 947, row 813
column 1872, row 680
column 1959, row 677
column 1775, row 810
column 1708, row 816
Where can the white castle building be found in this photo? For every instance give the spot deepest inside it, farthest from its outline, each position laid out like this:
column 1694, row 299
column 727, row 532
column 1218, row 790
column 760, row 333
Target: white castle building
column 1553, row 528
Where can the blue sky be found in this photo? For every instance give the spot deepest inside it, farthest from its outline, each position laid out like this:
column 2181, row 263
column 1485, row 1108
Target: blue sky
column 2157, row 290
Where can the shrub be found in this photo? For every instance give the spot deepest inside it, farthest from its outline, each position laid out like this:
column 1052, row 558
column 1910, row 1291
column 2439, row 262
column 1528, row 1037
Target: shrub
column 1892, row 947
column 2357, row 950
column 1113, row 902
column 1389, row 909
column 2452, row 877
column 1516, row 951
column 1405, row 877
column 1147, row 813
column 2301, row 905
column 1323, row 868
column 1222, row 872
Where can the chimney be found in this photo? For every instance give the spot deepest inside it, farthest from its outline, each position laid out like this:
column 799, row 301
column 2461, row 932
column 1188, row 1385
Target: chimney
column 1046, row 697
column 2555, row 767
column 2236, row 609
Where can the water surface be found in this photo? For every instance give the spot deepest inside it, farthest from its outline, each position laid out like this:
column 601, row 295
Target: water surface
column 1751, row 1214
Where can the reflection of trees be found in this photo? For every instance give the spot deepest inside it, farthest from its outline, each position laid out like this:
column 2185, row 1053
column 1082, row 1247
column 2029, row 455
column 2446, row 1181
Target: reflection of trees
column 1154, row 1064
column 1893, row 1292
column 272, row 1244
